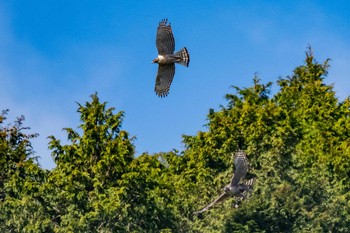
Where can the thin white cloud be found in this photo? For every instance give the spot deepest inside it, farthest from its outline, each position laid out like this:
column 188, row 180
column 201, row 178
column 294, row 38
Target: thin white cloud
column 249, row 38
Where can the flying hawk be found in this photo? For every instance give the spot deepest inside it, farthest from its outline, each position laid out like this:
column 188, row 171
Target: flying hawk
column 235, row 188
column 167, row 58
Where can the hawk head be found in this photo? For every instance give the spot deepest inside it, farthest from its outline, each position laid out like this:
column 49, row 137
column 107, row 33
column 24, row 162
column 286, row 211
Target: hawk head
column 160, row 60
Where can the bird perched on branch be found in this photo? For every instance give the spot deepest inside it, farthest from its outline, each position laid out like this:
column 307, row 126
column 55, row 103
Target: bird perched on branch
column 167, row 58
column 236, row 188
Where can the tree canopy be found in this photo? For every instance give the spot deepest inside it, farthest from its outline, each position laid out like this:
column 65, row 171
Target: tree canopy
column 297, row 141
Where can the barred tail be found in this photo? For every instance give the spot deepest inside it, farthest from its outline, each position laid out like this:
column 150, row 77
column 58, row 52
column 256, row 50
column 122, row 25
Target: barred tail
column 249, row 183
column 248, row 187
column 184, row 57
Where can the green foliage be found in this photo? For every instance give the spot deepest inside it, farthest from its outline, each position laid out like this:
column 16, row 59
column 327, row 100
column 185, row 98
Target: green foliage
column 298, row 145
column 22, row 208
column 298, row 151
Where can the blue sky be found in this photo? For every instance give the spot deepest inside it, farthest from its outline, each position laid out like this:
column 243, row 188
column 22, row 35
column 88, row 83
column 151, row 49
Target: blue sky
column 56, row 53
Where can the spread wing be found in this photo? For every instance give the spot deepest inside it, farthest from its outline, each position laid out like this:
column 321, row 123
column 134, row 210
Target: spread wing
column 221, row 198
column 241, row 168
column 164, row 78
column 165, row 39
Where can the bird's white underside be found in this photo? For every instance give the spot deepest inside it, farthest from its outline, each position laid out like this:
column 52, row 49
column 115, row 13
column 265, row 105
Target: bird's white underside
column 161, row 58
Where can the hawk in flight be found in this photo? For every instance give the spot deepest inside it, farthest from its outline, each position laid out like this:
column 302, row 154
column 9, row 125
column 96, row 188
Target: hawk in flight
column 167, row 58
column 236, row 187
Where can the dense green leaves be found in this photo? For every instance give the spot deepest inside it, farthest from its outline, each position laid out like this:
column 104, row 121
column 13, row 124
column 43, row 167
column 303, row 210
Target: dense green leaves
column 22, row 207
column 298, row 145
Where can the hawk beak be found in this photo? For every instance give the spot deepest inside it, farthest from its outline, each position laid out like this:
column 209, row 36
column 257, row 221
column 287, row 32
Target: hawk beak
column 155, row 60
